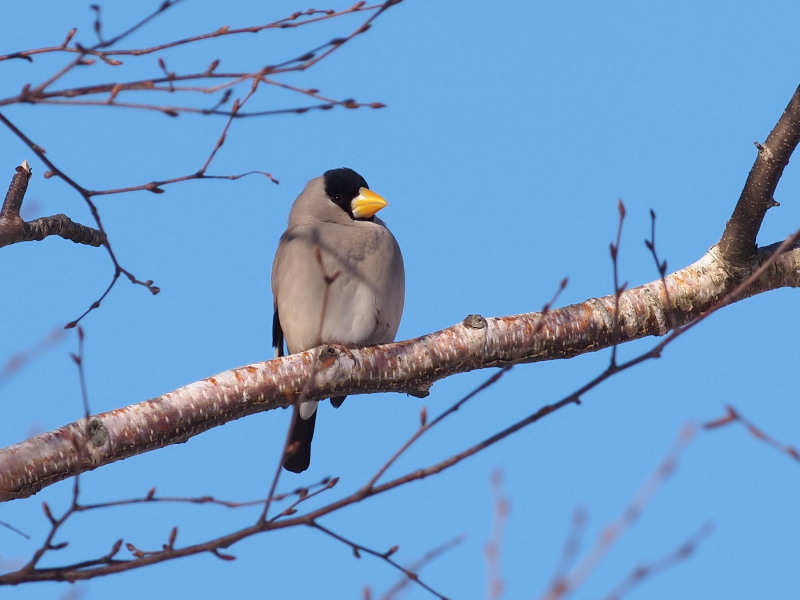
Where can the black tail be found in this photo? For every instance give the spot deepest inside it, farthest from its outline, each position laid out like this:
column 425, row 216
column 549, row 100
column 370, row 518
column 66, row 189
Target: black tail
column 277, row 333
column 298, row 448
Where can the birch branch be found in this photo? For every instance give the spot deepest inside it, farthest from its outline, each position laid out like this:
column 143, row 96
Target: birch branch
column 410, row 366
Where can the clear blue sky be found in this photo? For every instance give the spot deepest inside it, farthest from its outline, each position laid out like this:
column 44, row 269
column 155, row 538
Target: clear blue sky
column 511, row 131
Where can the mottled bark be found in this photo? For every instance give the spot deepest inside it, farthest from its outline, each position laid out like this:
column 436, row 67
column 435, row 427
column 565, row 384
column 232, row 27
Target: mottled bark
column 410, row 366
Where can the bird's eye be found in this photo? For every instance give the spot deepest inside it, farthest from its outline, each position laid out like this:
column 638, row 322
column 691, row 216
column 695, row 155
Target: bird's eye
column 337, row 198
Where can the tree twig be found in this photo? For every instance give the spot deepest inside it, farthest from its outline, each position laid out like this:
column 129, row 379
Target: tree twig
column 733, row 416
column 13, row 229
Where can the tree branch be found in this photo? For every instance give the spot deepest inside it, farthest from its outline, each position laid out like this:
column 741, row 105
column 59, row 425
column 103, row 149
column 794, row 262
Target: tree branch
column 14, row 229
column 410, row 366
column 738, row 243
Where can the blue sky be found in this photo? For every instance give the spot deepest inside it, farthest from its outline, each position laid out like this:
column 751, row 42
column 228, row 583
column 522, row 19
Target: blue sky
column 511, row 130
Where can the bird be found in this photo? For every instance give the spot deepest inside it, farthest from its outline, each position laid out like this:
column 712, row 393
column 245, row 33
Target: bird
column 337, row 278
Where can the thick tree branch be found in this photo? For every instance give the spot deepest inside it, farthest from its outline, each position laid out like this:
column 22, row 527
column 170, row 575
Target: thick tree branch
column 738, row 243
column 14, row 229
column 410, row 366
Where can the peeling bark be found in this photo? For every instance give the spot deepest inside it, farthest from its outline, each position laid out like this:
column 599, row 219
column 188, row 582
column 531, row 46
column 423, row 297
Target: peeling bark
column 410, row 366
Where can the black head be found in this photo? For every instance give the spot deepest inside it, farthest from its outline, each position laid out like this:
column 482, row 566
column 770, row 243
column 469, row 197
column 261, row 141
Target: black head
column 342, row 185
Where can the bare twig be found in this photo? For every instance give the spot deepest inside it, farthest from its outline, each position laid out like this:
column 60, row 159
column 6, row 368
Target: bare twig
column 417, row 566
column 733, row 416
column 152, row 498
column 42, row 94
column 647, row 571
column 20, row 359
column 77, row 358
column 562, row 586
column 572, row 545
column 618, row 289
column 661, row 266
column 495, row 543
column 15, row 530
column 297, row 19
column 386, row 556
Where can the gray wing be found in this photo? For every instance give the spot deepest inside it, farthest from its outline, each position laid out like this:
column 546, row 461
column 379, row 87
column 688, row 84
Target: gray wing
column 336, row 283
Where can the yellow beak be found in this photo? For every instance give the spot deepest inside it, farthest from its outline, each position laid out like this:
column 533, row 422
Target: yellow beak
column 367, row 203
